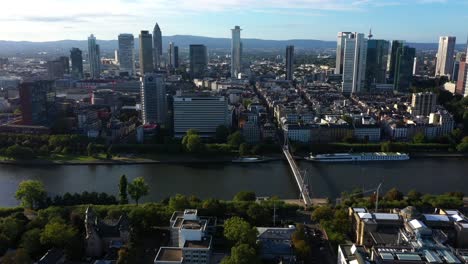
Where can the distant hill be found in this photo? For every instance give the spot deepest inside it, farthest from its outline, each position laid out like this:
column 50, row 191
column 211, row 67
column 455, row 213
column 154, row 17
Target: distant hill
column 183, row 41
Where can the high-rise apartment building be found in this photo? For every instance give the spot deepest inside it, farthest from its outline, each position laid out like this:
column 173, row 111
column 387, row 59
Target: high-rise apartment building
column 444, row 66
column 76, row 57
column 354, row 63
column 198, row 60
column 340, row 51
column 236, row 52
column 203, row 113
column 157, row 46
column 153, row 99
column 37, row 100
column 423, row 103
column 94, row 58
column 376, row 62
column 146, row 52
column 127, row 54
column 290, row 63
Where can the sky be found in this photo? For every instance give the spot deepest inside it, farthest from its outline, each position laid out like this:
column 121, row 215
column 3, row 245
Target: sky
column 411, row 20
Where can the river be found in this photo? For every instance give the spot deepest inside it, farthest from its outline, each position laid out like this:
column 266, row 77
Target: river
column 225, row 180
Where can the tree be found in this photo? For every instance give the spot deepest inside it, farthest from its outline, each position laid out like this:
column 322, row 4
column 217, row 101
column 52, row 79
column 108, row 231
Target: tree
column 179, row 202
column 242, row 254
column 462, row 147
column 124, row 257
column 260, row 215
column 123, row 198
column 194, row 144
column 239, row 231
column 302, row 249
column 90, row 149
column 222, row 132
column 235, row 139
column 244, row 149
column 138, row 188
column 393, row 195
column 31, row 193
column 19, row 152
column 419, row 138
column 322, row 213
column 244, row 196
column 58, row 234
column 31, row 242
column 414, row 196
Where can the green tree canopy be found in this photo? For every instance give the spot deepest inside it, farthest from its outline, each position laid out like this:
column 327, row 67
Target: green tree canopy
column 235, row 139
column 393, row 195
column 123, row 183
column 138, row 188
column 31, row 193
column 322, row 213
column 245, row 196
column 242, row 254
column 239, row 231
column 244, row 149
column 222, row 132
column 58, row 234
column 419, row 138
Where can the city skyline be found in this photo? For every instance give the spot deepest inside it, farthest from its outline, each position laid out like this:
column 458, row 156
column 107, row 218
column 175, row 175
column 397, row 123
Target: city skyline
column 296, row 19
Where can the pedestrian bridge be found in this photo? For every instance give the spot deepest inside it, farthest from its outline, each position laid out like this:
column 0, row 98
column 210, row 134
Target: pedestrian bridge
column 300, row 179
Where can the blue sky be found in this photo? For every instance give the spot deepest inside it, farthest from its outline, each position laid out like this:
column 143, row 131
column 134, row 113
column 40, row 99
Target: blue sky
column 411, row 20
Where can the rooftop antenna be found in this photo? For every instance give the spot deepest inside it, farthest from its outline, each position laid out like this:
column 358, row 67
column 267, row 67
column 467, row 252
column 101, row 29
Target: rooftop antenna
column 370, row 33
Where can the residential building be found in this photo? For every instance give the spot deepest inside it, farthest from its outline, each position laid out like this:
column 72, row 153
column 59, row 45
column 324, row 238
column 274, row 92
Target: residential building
column 251, row 132
column 146, row 52
column 153, row 99
column 403, row 68
column 376, row 62
column 340, row 51
column 203, row 113
column 127, row 54
column 367, row 132
column 157, row 46
column 423, row 103
column 94, row 58
column 198, row 60
column 76, row 63
column 297, row 133
column 445, row 54
column 37, row 100
column 290, row 63
column 236, row 52
column 354, row 63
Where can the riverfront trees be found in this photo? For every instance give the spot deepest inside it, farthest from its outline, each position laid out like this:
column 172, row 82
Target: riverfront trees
column 31, row 193
column 137, row 189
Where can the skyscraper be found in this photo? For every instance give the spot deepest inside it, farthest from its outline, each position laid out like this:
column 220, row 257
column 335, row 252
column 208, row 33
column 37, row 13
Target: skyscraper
column 157, row 46
column 340, row 51
column 290, row 63
column 236, row 52
column 37, row 101
column 57, row 68
column 462, row 72
column 403, row 73
column 198, row 60
column 376, row 62
column 76, row 57
column 445, row 56
column 456, row 65
column 146, row 52
column 94, row 58
column 127, row 53
column 354, row 63
column 396, row 44
column 153, row 98
column 173, row 54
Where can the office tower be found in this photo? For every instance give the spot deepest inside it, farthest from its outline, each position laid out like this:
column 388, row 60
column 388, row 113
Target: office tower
column 203, row 113
column 423, row 103
column 127, row 53
column 354, row 63
column 236, row 52
column 56, row 69
column 403, row 69
column 198, row 60
column 444, row 65
column 157, row 46
column 290, row 63
column 146, row 52
column 456, row 65
column 76, row 57
column 396, row 44
column 340, row 51
column 376, row 62
column 94, row 58
column 415, row 66
column 37, row 100
column 153, row 99
column 173, row 55
column 461, row 78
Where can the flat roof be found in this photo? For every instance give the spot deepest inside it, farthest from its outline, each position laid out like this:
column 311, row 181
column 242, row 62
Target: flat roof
column 192, row 224
column 205, row 243
column 169, row 254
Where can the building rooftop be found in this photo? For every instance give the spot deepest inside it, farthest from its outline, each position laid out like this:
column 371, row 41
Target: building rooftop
column 205, row 243
column 169, row 254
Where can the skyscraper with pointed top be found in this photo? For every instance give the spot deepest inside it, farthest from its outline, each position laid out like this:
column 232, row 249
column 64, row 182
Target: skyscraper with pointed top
column 157, row 46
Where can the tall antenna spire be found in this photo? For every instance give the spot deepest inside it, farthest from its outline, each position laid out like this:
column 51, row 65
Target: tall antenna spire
column 370, row 33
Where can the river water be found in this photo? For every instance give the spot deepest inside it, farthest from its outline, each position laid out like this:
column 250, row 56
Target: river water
column 225, row 180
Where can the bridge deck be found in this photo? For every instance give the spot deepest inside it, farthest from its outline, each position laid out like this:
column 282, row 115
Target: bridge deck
column 298, row 176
